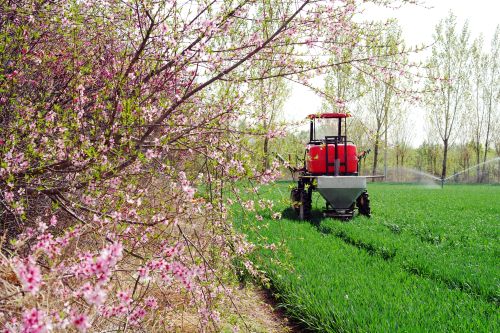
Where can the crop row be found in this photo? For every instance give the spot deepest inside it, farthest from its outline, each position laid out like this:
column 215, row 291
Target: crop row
column 462, row 257
column 369, row 275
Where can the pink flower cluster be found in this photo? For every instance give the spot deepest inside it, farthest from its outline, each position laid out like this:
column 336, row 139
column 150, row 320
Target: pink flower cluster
column 249, row 205
column 136, row 316
column 35, row 321
column 186, row 186
column 101, row 266
column 176, row 269
column 80, row 321
column 29, row 274
column 48, row 244
column 171, row 251
column 94, row 295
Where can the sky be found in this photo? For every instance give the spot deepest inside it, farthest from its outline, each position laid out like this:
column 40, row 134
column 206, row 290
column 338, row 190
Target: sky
column 418, row 25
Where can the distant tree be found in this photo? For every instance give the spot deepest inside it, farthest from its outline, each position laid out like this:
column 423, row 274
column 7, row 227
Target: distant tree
column 496, row 140
column 483, row 98
column 401, row 133
column 476, row 118
column 272, row 94
column 428, row 153
column 447, row 79
column 492, row 90
column 268, row 96
column 466, row 153
column 344, row 83
column 379, row 101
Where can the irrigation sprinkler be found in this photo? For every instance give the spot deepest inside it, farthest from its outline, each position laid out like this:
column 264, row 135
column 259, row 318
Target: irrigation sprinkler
column 476, row 166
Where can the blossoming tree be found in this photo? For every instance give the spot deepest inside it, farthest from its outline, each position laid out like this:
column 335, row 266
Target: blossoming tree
column 117, row 141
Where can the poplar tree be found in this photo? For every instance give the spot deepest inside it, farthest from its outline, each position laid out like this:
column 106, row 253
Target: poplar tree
column 447, row 81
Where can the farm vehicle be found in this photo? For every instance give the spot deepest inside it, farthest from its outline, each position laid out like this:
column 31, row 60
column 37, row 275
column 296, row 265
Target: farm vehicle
column 331, row 167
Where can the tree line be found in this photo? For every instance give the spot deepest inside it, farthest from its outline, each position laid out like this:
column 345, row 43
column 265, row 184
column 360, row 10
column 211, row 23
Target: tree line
column 456, row 86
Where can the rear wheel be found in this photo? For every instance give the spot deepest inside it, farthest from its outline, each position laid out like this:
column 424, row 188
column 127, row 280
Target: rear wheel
column 363, row 203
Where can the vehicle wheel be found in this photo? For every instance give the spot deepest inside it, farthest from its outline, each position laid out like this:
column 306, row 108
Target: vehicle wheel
column 363, row 203
column 295, row 199
column 305, row 204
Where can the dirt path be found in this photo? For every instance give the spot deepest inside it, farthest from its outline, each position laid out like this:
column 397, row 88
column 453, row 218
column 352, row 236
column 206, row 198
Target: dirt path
column 259, row 313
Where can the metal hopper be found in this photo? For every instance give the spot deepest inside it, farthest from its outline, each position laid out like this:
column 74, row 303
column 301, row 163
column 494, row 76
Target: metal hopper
column 341, row 192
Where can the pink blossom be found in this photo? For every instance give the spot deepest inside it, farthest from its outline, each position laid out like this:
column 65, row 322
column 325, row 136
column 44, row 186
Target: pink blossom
column 35, row 321
column 150, row 154
column 125, row 297
column 189, row 191
column 249, row 205
column 9, row 196
column 151, row 302
column 53, row 220
column 50, row 116
column 144, row 273
column 95, row 296
column 47, row 244
column 102, row 265
column 42, row 226
column 29, row 274
column 276, row 216
column 137, row 316
column 186, row 186
column 80, row 321
column 19, row 209
column 170, row 251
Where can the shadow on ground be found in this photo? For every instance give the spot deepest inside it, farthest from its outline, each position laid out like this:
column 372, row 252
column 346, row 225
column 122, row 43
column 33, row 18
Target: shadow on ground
column 315, row 219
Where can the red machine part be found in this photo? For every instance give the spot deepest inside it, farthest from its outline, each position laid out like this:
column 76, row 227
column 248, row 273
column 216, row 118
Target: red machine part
column 328, row 115
column 316, row 159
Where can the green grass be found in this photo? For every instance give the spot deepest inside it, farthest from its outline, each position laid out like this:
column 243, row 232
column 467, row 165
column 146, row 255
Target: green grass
column 426, row 261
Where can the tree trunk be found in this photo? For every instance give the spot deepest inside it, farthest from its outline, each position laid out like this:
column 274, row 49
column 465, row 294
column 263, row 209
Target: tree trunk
column 486, row 146
column 397, row 166
column 375, row 155
column 478, row 160
column 402, row 165
column 499, row 171
column 445, row 158
column 467, row 167
column 265, row 158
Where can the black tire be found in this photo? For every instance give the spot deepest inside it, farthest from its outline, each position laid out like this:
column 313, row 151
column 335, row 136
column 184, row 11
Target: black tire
column 295, row 199
column 363, row 203
column 305, row 204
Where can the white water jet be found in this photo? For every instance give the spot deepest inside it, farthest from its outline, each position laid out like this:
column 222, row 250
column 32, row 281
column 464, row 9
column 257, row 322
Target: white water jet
column 413, row 175
column 473, row 167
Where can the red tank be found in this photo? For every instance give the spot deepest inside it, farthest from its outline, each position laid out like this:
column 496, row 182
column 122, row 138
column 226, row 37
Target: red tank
column 316, row 159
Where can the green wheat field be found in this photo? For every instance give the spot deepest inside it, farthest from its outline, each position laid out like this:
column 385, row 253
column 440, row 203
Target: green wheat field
column 427, row 260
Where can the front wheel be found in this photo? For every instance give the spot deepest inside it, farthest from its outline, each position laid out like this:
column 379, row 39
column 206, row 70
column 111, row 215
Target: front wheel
column 295, row 199
column 305, row 204
column 363, row 203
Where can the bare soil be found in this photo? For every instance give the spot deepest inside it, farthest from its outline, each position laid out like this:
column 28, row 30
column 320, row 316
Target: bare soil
column 257, row 313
